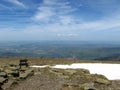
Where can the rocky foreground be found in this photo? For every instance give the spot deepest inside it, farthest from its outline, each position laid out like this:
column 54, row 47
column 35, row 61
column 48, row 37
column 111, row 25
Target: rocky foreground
column 66, row 79
column 12, row 77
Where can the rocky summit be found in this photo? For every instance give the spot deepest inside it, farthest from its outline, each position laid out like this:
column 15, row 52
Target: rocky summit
column 18, row 74
column 66, row 79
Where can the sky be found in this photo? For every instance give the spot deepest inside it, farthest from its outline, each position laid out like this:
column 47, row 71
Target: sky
column 85, row 20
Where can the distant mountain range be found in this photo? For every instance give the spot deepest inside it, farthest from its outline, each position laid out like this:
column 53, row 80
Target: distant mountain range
column 62, row 49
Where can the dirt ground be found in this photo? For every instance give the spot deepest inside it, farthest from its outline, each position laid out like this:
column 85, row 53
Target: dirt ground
column 47, row 79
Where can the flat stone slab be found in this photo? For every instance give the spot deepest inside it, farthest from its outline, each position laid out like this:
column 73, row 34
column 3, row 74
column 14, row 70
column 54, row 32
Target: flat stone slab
column 2, row 79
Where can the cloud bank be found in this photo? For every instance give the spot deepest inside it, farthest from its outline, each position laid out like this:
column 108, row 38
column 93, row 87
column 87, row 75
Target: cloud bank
column 61, row 19
column 16, row 2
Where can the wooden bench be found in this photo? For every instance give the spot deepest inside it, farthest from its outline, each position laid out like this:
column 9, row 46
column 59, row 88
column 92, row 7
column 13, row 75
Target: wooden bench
column 23, row 62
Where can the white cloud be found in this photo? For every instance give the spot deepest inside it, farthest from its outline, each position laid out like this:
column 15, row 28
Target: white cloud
column 70, row 28
column 99, row 25
column 66, row 20
column 16, row 2
column 67, row 35
column 49, row 2
column 4, row 7
column 64, row 31
column 58, row 16
column 54, row 11
column 44, row 13
column 82, row 26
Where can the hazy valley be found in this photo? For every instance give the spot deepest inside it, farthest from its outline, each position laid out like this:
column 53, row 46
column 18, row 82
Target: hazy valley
column 62, row 49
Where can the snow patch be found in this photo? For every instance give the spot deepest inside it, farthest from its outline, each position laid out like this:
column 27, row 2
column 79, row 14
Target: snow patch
column 35, row 66
column 111, row 71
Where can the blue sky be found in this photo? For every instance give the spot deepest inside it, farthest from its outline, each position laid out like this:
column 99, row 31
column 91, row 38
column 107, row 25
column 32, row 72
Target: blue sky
column 86, row 20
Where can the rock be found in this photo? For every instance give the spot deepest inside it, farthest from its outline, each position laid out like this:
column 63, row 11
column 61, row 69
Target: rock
column 101, row 79
column 82, row 71
column 3, row 74
column 89, row 86
column 67, row 88
column 7, row 85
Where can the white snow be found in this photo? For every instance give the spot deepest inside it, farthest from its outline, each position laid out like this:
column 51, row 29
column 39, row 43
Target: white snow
column 111, row 71
column 35, row 66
